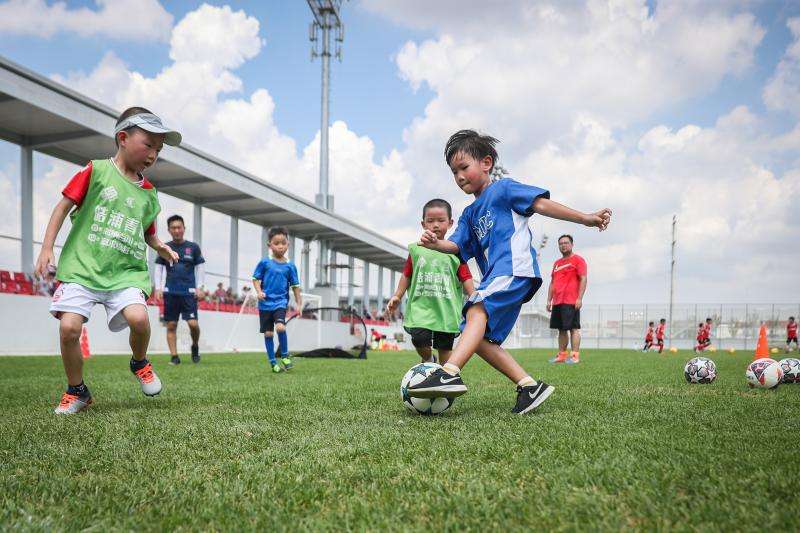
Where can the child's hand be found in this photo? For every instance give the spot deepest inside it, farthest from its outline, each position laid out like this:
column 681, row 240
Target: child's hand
column 261, row 295
column 428, row 239
column 391, row 305
column 600, row 219
column 167, row 254
column 45, row 262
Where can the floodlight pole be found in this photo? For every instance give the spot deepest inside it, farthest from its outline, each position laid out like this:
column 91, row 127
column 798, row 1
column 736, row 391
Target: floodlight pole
column 672, row 275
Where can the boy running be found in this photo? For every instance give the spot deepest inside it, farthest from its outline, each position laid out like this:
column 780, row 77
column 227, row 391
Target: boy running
column 791, row 334
column 272, row 280
column 436, row 281
column 662, row 327
column 104, row 259
column 494, row 231
column 648, row 338
column 703, row 335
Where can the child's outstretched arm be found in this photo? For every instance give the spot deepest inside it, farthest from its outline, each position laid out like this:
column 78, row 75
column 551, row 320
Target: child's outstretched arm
column 394, row 301
column 46, row 257
column 599, row 219
column 430, row 240
column 165, row 252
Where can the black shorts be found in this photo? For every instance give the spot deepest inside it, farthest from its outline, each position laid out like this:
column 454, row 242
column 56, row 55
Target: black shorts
column 179, row 306
column 703, row 342
column 791, row 339
column 660, row 342
column 268, row 319
column 565, row 317
column 425, row 338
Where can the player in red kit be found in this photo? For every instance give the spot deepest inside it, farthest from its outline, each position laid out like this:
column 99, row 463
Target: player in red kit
column 648, row 338
column 662, row 326
column 703, row 336
column 791, row 334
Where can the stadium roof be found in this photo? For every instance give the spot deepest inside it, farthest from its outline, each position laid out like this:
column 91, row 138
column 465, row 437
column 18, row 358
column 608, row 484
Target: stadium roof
column 54, row 120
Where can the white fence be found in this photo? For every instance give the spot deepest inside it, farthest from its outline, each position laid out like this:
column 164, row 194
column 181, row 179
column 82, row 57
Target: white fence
column 623, row 326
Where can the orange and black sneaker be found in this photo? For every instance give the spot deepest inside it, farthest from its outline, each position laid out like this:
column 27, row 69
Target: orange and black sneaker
column 560, row 358
column 72, row 403
column 148, row 379
column 575, row 359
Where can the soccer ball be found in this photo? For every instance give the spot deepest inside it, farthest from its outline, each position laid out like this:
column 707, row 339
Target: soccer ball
column 712, row 349
column 423, row 406
column 673, row 350
column 773, row 350
column 791, row 370
column 700, row 370
column 764, row 373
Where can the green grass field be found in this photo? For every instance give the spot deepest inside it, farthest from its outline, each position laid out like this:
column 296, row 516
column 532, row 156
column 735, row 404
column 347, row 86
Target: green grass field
column 623, row 443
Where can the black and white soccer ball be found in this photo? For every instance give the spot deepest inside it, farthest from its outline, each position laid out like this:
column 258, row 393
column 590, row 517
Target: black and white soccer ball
column 791, row 370
column 700, row 370
column 423, row 406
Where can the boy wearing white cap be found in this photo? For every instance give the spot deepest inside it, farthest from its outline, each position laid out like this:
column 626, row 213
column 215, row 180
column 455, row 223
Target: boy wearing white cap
column 104, row 260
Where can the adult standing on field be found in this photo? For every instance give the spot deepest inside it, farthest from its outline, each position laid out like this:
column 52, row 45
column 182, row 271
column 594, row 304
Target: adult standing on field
column 564, row 300
column 177, row 284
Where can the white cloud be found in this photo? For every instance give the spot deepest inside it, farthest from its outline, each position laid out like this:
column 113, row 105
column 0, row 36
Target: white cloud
column 131, row 20
column 783, row 90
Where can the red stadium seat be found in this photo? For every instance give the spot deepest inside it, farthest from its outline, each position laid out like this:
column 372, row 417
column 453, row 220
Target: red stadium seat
column 7, row 286
column 25, row 287
column 6, row 276
column 20, row 277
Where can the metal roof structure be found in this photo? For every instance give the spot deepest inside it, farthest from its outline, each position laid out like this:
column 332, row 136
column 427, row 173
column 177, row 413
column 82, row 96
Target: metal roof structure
column 54, row 120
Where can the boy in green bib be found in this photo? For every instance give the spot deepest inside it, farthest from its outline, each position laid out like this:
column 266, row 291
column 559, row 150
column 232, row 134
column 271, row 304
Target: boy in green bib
column 104, row 261
column 436, row 284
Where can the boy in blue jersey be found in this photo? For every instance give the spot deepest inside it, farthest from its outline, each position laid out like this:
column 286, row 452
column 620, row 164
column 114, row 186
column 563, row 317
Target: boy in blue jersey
column 272, row 280
column 494, row 231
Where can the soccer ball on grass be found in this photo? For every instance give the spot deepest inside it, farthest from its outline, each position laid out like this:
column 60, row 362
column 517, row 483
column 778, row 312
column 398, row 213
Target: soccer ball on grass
column 423, row 406
column 700, row 370
column 791, row 370
column 764, row 373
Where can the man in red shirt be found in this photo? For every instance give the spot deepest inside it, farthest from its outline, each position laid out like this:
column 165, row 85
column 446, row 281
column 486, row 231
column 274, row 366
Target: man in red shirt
column 662, row 326
column 791, row 334
column 565, row 298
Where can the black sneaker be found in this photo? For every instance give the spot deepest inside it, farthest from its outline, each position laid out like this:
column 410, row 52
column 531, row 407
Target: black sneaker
column 438, row 384
column 175, row 360
column 195, row 354
column 531, row 397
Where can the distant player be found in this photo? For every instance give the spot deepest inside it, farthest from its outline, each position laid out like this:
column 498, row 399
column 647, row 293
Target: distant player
column 648, row 338
column 564, row 300
column 703, row 335
column 104, row 260
column 272, row 280
column 178, row 286
column 494, row 231
column 791, row 334
column 436, row 283
column 660, row 330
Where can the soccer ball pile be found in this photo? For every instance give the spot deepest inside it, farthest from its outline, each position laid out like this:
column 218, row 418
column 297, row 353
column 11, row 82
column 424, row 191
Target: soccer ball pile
column 700, row 370
column 423, row 406
column 764, row 373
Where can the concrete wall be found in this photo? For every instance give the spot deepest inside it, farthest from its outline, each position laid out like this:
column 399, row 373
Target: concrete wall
column 26, row 327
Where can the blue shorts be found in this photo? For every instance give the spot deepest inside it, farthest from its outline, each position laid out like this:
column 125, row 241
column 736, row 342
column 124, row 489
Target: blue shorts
column 178, row 305
column 502, row 297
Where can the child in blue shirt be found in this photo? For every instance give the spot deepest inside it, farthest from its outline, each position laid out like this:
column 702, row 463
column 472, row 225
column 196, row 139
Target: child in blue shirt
column 272, row 280
column 494, row 231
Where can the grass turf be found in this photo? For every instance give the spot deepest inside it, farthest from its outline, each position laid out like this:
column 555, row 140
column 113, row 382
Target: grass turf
column 623, row 443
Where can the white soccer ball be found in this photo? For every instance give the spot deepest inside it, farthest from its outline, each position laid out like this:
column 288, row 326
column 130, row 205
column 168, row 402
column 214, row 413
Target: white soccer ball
column 423, row 406
column 764, row 373
column 700, row 370
column 791, row 370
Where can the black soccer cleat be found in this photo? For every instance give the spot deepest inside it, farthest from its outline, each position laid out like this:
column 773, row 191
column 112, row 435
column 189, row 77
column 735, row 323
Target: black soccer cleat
column 195, row 354
column 175, row 360
column 531, row 397
column 439, row 384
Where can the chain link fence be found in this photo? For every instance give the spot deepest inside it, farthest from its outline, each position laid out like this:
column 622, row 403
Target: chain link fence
column 624, row 326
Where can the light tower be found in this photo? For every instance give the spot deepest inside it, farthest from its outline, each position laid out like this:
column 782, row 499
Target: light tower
column 326, row 19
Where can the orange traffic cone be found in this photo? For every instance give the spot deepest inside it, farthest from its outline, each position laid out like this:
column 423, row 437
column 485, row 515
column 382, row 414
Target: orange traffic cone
column 85, row 343
column 762, row 348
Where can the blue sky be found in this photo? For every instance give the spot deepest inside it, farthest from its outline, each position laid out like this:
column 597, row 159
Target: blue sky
column 650, row 108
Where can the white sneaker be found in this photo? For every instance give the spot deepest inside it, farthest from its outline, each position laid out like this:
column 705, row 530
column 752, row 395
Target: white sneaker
column 148, row 379
column 71, row 404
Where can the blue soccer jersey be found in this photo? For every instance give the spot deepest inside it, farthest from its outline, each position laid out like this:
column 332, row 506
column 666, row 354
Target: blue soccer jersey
column 180, row 275
column 276, row 279
column 494, row 230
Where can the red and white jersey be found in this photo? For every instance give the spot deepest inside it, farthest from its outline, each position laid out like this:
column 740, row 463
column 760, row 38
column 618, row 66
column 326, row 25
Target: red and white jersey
column 791, row 330
column 706, row 330
column 701, row 332
column 660, row 331
column 649, row 335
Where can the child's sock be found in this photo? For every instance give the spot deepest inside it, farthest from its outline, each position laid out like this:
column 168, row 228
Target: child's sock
column 451, row 369
column 79, row 390
column 283, row 344
column 527, row 381
column 270, row 345
column 138, row 365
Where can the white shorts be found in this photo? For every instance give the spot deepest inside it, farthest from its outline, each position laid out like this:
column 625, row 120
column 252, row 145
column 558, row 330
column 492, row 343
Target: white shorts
column 75, row 298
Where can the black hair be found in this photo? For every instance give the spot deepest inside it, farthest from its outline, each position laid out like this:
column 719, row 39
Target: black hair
column 568, row 237
column 791, row 318
column 663, row 320
column 472, row 143
column 437, row 202
column 277, row 230
column 708, row 320
column 129, row 113
column 173, row 218
column 700, row 324
column 651, row 323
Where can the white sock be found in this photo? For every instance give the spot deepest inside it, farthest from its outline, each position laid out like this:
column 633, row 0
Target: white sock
column 451, row 369
column 527, row 381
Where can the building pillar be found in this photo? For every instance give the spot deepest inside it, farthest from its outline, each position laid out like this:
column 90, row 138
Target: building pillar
column 306, row 261
column 351, row 267
column 365, row 295
column 26, row 208
column 292, row 248
column 380, row 289
column 234, row 256
column 197, row 225
column 332, row 271
column 322, row 256
column 264, row 242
